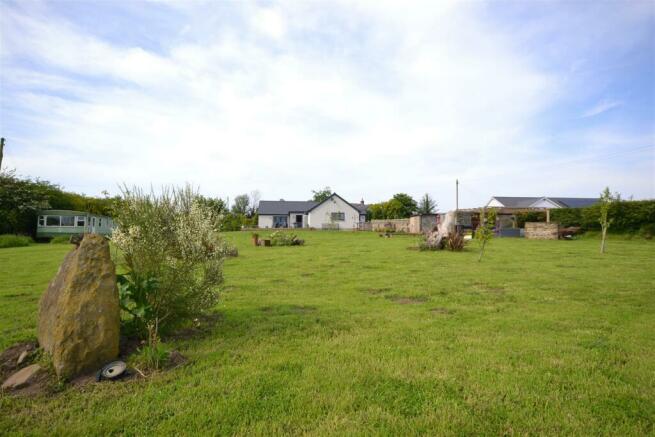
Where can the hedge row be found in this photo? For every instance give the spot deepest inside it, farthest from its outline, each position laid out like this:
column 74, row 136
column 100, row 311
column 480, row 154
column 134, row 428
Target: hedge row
column 627, row 216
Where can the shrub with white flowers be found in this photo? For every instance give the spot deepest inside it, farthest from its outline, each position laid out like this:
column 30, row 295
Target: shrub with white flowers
column 173, row 255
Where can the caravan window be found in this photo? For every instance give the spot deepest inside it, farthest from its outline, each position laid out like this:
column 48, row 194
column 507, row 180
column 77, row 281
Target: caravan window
column 80, row 220
column 53, row 220
column 41, row 220
column 67, row 220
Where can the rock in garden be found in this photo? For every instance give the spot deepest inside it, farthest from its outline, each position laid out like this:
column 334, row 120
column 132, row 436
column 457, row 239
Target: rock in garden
column 21, row 358
column 79, row 315
column 21, row 378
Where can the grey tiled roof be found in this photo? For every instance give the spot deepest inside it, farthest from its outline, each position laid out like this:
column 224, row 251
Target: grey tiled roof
column 564, row 202
column 283, row 207
column 359, row 207
column 516, row 202
column 575, row 202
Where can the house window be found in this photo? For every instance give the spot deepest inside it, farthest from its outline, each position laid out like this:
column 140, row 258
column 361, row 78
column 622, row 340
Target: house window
column 80, row 220
column 67, row 220
column 53, row 220
column 338, row 216
column 280, row 221
column 41, row 220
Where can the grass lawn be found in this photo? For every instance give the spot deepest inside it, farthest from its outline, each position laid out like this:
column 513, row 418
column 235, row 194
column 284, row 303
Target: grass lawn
column 355, row 334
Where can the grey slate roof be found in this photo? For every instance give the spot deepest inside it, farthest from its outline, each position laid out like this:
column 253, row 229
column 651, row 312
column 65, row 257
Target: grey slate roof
column 564, row 202
column 575, row 202
column 284, row 207
column 359, row 207
column 516, row 202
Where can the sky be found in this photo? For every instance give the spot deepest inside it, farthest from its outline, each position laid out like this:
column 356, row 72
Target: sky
column 538, row 98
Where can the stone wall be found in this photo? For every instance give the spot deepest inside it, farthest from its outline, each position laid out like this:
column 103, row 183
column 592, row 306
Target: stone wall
column 399, row 225
column 419, row 224
column 413, row 225
column 541, row 231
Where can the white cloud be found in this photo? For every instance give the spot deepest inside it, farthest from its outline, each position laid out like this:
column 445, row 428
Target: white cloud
column 601, row 107
column 269, row 22
column 370, row 98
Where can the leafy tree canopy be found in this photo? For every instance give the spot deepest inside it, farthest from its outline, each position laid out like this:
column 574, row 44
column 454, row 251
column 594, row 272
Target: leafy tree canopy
column 408, row 205
column 241, row 204
column 321, row 195
column 426, row 205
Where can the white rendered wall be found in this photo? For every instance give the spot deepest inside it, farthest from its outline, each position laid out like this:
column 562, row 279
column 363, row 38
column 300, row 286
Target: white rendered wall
column 321, row 214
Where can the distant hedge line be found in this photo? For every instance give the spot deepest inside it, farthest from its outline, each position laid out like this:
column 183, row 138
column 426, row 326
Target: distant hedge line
column 627, row 216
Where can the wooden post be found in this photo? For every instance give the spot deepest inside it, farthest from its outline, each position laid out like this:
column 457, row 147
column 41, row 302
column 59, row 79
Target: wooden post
column 456, row 194
column 548, row 215
column 2, row 146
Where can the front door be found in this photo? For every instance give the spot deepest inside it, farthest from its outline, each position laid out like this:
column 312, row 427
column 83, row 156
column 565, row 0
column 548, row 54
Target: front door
column 298, row 222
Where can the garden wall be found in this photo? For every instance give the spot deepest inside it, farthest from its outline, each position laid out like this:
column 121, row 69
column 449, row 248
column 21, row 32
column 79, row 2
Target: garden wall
column 398, row 225
column 541, row 231
column 422, row 223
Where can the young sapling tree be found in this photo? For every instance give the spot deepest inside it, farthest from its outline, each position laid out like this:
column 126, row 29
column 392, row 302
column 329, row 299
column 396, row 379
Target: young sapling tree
column 606, row 200
column 485, row 232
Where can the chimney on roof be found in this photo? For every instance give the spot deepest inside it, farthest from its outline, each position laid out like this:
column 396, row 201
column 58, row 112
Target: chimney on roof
column 361, row 202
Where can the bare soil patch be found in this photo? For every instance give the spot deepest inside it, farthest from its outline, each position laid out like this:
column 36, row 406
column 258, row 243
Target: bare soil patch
column 9, row 358
column 376, row 291
column 407, row 300
column 499, row 289
column 441, row 310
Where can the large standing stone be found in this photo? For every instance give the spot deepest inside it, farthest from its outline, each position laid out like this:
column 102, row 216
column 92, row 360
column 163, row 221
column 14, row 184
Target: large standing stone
column 79, row 315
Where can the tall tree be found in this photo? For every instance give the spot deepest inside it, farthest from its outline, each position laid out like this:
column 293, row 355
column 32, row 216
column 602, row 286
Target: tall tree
column 394, row 209
column 241, row 204
column 606, row 200
column 255, row 196
column 426, row 205
column 408, row 205
column 321, row 195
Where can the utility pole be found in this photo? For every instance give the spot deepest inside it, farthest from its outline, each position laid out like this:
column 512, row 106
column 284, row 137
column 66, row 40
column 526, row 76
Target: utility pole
column 2, row 146
column 456, row 194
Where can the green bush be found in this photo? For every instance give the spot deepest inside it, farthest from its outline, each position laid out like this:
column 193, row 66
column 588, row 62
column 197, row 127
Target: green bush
column 568, row 217
column 173, row 256
column 626, row 216
column 279, row 238
column 455, row 242
column 22, row 198
column 647, row 231
column 10, row 240
column 531, row 216
column 60, row 239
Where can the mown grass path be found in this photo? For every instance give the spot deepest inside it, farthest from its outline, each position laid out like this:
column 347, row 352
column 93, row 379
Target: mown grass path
column 356, row 334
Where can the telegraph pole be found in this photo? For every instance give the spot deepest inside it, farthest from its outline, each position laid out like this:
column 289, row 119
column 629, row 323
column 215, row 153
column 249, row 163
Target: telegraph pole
column 2, row 146
column 456, row 194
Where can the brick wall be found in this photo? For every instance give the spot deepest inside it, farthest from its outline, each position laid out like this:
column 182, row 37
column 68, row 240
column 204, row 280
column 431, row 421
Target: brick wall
column 541, row 231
